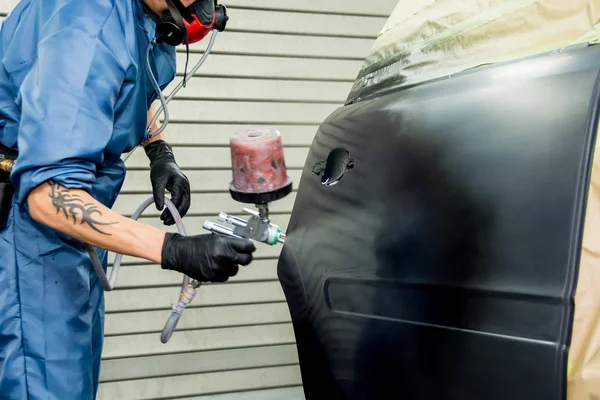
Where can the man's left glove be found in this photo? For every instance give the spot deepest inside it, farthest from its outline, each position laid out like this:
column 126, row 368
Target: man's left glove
column 165, row 174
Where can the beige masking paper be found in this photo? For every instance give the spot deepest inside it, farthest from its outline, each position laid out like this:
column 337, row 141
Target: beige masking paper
column 428, row 39
column 584, row 355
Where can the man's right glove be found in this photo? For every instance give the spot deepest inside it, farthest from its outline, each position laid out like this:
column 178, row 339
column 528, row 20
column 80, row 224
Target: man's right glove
column 206, row 258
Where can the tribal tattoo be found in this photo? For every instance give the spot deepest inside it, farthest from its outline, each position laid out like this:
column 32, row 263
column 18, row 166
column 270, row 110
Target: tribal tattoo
column 73, row 206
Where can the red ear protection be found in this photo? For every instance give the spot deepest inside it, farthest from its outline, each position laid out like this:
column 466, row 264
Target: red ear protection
column 190, row 24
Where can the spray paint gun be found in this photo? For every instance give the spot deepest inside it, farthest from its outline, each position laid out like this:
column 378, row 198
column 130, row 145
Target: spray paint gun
column 259, row 178
column 258, row 228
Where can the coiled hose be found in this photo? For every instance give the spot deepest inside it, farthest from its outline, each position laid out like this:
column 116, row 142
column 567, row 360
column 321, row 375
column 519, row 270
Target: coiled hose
column 189, row 287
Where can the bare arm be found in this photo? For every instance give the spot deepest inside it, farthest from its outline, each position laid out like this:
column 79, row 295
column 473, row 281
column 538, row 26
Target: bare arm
column 77, row 214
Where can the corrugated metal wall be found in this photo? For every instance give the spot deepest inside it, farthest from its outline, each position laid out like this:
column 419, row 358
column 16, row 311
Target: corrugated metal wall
column 281, row 63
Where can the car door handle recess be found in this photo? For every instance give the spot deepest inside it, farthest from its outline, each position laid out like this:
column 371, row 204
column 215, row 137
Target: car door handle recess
column 333, row 169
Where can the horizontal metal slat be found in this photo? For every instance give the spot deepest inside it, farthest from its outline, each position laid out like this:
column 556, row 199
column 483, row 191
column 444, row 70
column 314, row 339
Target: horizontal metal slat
column 194, row 363
column 262, row 252
column 208, row 295
column 300, row 23
column 208, row 181
column 214, row 157
column 199, row 384
column 198, row 318
column 249, row 113
column 201, row 203
column 285, row 393
column 262, row 90
column 198, row 340
column 7, row 6
column 372, row 7
column 271, row 67
column 272, row 44
column 219, row 135
column 140, row 276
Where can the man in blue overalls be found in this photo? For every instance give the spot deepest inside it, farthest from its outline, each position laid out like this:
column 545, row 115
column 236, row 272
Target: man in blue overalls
column 74, row 96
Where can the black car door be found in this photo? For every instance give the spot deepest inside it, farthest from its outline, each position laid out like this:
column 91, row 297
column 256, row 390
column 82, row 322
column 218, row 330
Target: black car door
column 434, row 244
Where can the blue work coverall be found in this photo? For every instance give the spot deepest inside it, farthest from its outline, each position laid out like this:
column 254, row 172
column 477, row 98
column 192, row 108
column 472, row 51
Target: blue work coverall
column 74, row 95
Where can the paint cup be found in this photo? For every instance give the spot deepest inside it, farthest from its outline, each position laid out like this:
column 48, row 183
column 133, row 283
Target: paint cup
column 257, row 160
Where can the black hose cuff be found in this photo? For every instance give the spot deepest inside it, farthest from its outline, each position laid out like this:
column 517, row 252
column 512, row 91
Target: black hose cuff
column 169, row 253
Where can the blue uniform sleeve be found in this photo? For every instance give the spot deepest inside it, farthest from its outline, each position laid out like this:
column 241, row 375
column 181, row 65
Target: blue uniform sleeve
column 68, row 99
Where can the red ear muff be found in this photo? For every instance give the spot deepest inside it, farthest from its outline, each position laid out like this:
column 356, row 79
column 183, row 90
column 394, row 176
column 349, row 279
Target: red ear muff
column 196, row 30
column 195, row 21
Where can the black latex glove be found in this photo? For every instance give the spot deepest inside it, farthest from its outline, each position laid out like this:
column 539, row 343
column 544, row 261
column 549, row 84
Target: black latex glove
column 206, row 258
column 165, row 174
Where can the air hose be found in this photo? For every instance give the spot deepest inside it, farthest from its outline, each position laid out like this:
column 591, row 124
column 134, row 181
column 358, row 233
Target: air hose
column 164, row 101
column 189, row 286
column 181, row 84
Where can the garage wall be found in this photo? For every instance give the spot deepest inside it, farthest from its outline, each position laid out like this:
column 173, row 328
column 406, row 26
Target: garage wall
column 281, row 63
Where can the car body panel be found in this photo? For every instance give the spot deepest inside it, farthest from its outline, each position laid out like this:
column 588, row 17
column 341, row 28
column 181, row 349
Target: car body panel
column 443, row 264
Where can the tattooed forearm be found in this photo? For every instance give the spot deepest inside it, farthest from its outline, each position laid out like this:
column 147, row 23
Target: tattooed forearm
column 73, row 207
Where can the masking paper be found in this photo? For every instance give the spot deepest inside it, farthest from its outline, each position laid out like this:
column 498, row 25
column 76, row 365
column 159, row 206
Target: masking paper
column 584, row 355
column 428, row 39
